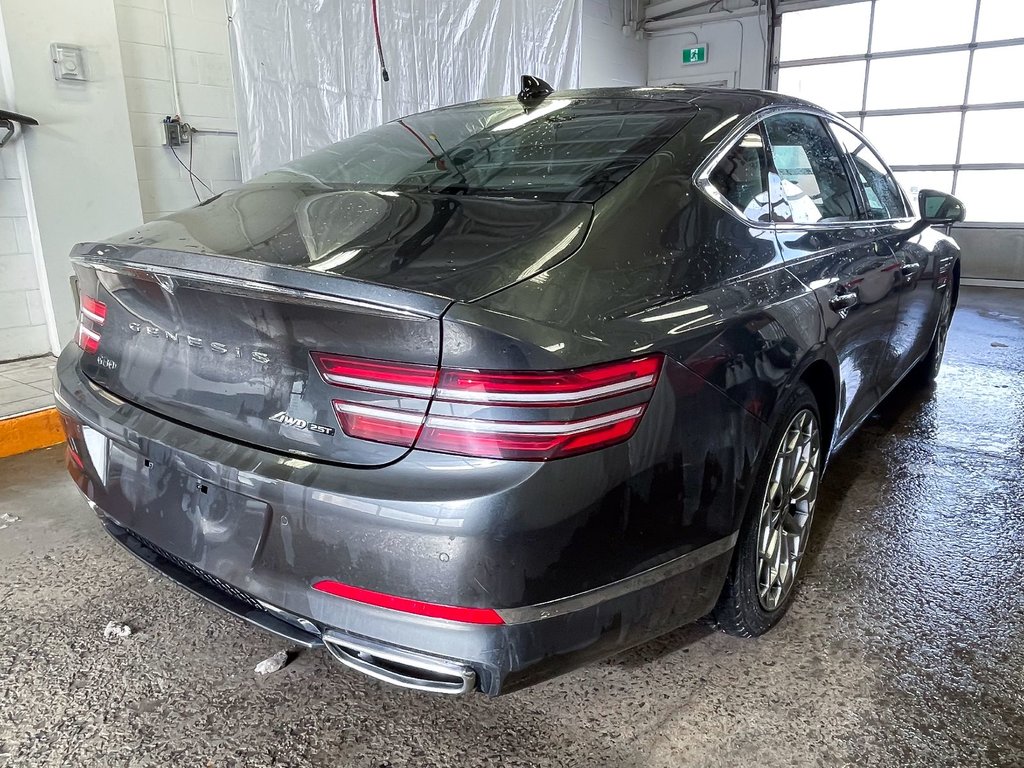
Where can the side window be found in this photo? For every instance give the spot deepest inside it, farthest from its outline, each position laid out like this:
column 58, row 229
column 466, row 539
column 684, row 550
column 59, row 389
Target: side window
column 880, row 190
column 741, row 177
column 811, row 177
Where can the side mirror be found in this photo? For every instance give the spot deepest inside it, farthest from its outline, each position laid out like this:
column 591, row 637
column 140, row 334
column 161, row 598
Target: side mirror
column 940, row 208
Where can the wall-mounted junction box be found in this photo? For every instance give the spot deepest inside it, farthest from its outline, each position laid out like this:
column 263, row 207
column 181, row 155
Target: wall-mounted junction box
column 176, row 134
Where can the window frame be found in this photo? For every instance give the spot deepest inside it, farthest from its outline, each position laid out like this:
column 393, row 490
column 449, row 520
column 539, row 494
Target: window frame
column 854, row 174
column 701, row 176
column 711, row 191
column 844, row 163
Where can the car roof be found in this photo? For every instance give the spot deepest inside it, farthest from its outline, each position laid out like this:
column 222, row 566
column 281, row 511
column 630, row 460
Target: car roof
column 740, row 100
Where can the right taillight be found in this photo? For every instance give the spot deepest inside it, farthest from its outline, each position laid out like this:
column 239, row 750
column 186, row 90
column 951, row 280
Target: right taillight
column 91, row 316
column 602, row 405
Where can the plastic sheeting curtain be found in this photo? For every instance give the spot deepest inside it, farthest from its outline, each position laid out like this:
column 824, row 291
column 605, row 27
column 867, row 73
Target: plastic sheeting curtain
column 307, row 74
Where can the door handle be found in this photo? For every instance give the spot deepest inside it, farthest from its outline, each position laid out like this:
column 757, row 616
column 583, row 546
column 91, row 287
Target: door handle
column 843, row 301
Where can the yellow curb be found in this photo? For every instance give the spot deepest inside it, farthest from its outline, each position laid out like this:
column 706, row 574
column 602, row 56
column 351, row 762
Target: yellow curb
column 20, row 434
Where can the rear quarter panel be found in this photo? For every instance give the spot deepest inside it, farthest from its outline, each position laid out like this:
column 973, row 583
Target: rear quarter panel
column 663, row 269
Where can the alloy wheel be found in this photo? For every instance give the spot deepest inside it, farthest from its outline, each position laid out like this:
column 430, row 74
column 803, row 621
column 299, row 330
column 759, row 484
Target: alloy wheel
column 945, row 318
column 787, row 509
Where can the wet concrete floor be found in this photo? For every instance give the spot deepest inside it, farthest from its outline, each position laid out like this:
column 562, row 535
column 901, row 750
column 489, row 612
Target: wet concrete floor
column 904, row 645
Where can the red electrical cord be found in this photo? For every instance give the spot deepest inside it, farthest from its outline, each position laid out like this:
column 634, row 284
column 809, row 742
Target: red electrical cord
column 380, row 49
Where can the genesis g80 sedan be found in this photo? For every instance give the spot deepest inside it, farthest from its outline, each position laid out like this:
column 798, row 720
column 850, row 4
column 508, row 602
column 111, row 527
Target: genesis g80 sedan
column 491, row 391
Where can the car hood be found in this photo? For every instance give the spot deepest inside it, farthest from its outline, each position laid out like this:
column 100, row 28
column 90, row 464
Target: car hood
column 458, row 247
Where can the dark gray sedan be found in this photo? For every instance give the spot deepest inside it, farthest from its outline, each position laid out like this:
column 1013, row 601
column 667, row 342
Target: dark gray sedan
column 491, row 391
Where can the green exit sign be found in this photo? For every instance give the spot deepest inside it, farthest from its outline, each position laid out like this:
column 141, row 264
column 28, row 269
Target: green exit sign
column 696, row 54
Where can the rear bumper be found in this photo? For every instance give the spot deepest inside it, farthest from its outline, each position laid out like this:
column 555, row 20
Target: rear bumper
column 435, row 528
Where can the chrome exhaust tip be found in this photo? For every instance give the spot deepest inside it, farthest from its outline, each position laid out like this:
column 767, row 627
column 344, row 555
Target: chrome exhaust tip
column 405, row 669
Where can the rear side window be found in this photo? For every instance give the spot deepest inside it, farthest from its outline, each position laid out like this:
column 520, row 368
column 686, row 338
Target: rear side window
column 813, row 180
column 741, row 177
column 881, row 193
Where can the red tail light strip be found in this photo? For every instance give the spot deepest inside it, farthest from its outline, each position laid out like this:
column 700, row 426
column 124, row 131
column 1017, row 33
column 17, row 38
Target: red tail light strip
column 533, row 427
column 558, row 388
column 377, row 376
column 524, row 440
column 88, row 340
column 520, row 439
column 94, row 310
column 381, row 425
column 90, row 311
column 407, row 605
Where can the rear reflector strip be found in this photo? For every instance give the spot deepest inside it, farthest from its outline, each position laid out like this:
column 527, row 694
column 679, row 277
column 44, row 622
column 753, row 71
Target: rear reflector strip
column 406, row 605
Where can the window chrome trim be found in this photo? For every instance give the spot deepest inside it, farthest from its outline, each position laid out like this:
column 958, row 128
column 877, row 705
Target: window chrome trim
column 702, row 181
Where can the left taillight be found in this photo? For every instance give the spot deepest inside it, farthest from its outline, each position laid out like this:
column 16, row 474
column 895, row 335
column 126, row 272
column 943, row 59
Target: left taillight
column 92, row 315
column 542, row 414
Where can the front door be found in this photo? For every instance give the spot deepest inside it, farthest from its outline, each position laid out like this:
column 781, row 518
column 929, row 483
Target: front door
column 844, row 259
column 917, row 310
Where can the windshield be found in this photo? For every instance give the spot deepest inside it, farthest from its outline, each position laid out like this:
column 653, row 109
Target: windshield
column 561, row 149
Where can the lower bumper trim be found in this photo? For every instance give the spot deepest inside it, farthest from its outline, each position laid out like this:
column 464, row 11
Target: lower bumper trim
column 622, row 587
column 214, row 591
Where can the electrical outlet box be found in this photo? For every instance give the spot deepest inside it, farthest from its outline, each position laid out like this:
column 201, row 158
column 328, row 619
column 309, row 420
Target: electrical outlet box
column 68, row 61
column 176, row 134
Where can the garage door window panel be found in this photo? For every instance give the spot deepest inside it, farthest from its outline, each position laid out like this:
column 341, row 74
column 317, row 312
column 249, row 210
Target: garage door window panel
column 981, row 129
column 1001, row 20
column 915, row 139
column 802, row 38
column 931, row 80
column 996, row 75
column 811, row 174
column 989, row 195
column 902, row 25
column 839, row 87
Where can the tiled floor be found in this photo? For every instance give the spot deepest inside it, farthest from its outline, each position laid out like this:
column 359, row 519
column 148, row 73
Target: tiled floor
column 25, row 386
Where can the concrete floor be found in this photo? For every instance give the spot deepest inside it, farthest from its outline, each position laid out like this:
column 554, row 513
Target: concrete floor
column 905, row 644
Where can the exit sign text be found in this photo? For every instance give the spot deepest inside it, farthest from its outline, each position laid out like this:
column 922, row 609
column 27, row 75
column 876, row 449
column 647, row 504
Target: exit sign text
column 696, row 54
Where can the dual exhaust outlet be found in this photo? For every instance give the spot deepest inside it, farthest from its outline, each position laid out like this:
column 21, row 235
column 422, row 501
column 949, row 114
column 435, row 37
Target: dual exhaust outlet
column 405, row 669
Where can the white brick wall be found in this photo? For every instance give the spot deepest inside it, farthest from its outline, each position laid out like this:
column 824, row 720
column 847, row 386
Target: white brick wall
column 22, row 321
column 203, row 70
column 610, row 58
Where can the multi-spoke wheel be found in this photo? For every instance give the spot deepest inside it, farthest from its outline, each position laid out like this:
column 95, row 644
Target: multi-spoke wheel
column 929, row 366
column 787, row 510
column 773, row 538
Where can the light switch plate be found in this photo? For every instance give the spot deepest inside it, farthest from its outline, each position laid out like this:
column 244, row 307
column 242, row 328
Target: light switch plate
column 68, row 61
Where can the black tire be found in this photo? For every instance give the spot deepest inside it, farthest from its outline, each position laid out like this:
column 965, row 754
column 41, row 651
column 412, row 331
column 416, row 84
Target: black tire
column 741, row 610
column 928, row 368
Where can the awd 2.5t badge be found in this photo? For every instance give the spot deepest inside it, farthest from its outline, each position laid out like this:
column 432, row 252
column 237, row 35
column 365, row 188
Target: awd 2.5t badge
column 291, row 421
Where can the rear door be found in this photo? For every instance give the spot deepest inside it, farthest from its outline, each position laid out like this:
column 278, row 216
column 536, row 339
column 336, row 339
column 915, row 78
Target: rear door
column 843, row 259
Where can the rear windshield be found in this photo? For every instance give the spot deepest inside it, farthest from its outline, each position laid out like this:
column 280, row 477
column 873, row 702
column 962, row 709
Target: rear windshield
column 561, row 149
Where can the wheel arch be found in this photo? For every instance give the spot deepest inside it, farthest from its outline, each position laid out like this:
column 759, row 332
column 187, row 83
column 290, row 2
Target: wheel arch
column 820, row 377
